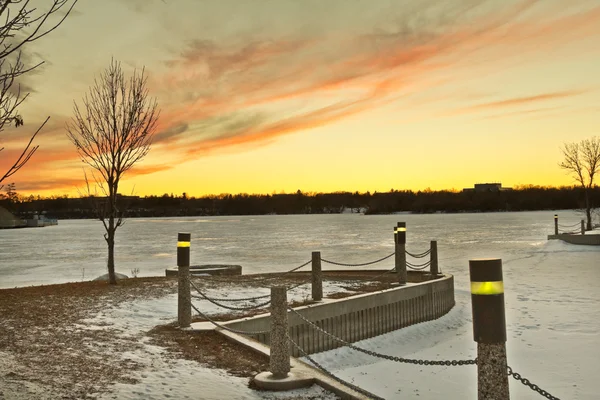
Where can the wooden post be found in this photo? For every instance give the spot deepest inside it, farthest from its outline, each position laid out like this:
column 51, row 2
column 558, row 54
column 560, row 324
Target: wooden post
column 279, row 359
column 184, row 300
column 317, row 277
column 433, row 258
column 583, row 227
column 556, row 224
column 400, row 259
column 489, row 328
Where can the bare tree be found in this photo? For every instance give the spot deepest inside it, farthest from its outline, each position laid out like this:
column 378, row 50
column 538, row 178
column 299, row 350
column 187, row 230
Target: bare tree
column 112, row 132
column 21, row 24
column 582, row 160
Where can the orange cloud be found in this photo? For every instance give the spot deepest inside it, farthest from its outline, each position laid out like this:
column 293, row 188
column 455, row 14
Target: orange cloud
column 219, row 95
column 50, row 183
column 216, row 83
column 535, row 111
column 517, row 101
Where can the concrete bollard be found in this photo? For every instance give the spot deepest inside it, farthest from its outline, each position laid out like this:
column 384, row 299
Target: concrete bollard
column 556, row 224
column 396, row 259
column 433, row 258
column 400, row 259
column 279, row 376
column 279, row 360
column 489, row 328
column 317, row 278
column 184, row 300
column 582, row 227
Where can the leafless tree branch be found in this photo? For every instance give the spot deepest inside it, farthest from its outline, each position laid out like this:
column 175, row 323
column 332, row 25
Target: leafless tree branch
column 112, row 131
column 21, row 24
column 582, row 161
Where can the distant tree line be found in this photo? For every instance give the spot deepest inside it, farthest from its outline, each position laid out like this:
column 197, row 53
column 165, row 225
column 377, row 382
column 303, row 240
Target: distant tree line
column 523, row 198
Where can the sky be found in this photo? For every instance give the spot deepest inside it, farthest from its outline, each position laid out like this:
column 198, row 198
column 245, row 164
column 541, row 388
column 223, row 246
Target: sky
column 264, row 96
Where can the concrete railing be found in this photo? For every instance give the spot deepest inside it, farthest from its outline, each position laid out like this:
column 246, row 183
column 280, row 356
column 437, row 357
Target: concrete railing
column 587, row 239
column 360, row 317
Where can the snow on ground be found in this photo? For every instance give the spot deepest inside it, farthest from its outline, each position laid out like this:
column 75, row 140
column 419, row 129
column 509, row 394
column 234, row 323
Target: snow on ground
column 553, row 318
column 163, row 377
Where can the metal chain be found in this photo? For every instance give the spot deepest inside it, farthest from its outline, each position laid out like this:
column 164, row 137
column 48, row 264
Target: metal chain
column 331, row 375
column 227, row 328
column 297, row 286
column 205, row 297
column 532, row 386
column 297, row 268
column 418, row 267
column 569, row 226
column 569, row 232
column 280, row 274
column 385, row 273
column 385, row 356
column 420, row 255
column 357, row 265
column 275, row 274
column 237, row 299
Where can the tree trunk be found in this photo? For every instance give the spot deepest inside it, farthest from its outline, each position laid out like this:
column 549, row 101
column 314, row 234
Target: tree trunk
column 588, row 211
column 112, row 279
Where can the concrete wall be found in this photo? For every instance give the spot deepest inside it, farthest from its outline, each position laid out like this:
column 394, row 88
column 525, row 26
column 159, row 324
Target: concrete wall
column 361, row 317
column 587, row 239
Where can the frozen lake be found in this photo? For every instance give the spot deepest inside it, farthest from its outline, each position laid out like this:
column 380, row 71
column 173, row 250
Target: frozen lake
column 76, row 250
column 552, row 288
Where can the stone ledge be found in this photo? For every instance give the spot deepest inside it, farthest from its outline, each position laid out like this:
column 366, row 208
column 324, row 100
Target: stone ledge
column 590, row 239
column 208, row 269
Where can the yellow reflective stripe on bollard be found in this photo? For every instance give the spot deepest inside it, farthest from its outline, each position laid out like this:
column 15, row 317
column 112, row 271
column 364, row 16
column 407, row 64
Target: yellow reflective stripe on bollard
column 401, row 229
column 183, row 244
column 496, row 287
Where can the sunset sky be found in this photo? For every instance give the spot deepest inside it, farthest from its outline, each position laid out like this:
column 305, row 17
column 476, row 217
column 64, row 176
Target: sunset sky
column 263, row 96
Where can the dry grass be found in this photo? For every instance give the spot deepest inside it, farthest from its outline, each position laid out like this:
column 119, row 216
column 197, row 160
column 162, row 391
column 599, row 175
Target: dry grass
column 44, row 342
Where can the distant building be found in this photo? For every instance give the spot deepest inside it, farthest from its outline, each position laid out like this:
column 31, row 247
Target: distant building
column 487, row 187
column 7, row 220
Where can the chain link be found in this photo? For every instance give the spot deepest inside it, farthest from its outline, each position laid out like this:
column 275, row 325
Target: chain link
column 420, row 255
column 569, row 232
column 385, row 273
column 205, row 297
column 297, row 286
column 274, row 274
column 418, row 267
column 297, row 268
column 331, row 375
column 532, row 386
column 446, row 363
column 238, row 299
column 251, row 333
column 570, row 226
column 357, row 265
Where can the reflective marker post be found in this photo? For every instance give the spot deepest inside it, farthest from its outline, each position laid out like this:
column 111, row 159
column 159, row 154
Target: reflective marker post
column 489, row 328
column 556, row 224
column 184, row 303
column 400, row 259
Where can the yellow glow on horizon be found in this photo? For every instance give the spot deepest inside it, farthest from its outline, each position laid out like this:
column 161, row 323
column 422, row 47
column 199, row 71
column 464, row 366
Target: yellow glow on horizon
column 326, row 111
